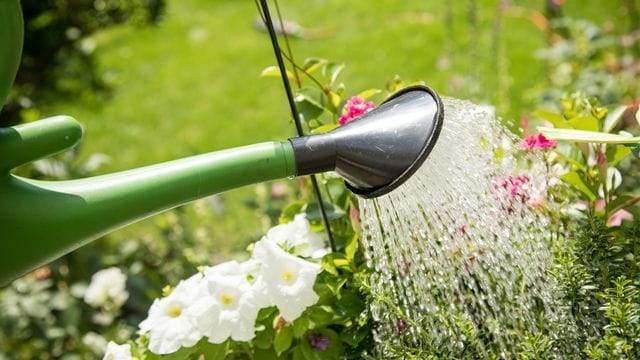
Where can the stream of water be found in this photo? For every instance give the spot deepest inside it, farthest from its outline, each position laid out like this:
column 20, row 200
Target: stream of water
column 460, row 252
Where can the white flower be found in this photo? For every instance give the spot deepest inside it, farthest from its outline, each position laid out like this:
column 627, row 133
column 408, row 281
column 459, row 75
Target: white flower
column 297, row 237
column 117, row 352
column 232, row 302
column 170, row 324
column 288, row 280
column 95, row 342
column 107, row 285
column 614, row 180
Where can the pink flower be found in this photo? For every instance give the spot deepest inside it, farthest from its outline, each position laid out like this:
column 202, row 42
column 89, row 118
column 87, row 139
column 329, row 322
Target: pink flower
column 532, row 142
column 354, row 108
column 515, row 186
column 616, row 218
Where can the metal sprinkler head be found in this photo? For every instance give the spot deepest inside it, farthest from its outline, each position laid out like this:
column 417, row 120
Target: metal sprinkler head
column 380, row 150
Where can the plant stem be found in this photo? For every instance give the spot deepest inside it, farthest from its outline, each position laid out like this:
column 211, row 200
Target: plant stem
column 286, row 42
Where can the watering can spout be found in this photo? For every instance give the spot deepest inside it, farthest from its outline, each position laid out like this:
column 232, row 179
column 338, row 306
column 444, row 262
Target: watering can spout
column 43, row 220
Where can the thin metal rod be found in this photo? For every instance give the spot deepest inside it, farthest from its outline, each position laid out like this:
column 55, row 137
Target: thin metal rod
column 296, row 115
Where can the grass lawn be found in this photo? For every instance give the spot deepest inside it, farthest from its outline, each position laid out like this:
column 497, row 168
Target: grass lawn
column 191, row 84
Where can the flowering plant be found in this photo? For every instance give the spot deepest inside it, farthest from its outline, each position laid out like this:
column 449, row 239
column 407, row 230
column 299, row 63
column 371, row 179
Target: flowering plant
column 291, row 298
column 283, row 301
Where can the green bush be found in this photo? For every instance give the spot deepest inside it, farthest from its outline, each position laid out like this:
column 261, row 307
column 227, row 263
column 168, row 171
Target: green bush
column 57, row 54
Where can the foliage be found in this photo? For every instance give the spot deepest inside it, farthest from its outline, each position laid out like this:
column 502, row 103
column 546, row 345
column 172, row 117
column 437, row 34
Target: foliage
column 57, row 53
column 597, row 261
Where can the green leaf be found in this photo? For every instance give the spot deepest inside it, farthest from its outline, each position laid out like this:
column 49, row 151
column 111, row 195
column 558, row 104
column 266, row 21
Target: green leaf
column 274, row 71
column 571, row 154
column 291, row 210
column 616, row 153
column 351, row 301
column 556, row 119
column 264, row 354
column 613, row 118
column 312, row 64
column 618, row 203
column 214, row 351
column 333, row 212
column 334, row 101
column 300, row 326
column 588, row 123
column 264, row 338
column 576, row 180
column 586, row 136
column 352, row 245
column 283, row 340
column 333, row 71
column 369, row 93
column 181, row 354
column 319, row 315
column 310, row 103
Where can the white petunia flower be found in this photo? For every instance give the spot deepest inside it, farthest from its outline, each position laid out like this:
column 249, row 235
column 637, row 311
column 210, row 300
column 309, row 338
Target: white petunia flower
column 249, row 269
column 297, row 237
column 107, row 285
column 117, row 352
column 288, row 280
column 170, row 324
column 232, row 302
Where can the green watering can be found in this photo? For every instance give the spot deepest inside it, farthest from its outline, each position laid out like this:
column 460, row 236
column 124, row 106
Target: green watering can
column 43, row 220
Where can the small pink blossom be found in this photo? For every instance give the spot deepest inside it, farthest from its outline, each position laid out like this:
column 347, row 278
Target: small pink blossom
column 617, row 217
column 354, row 108
column 515, row 186
column 538, row 141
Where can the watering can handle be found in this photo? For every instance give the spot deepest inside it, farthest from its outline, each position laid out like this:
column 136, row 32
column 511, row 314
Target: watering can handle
column 25, row 143
column 11, row 37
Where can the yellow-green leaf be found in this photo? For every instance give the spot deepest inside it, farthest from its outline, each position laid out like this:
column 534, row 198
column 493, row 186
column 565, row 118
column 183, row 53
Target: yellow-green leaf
column 574, row 179
column 369, row 93
column 334, row 99
column 274, row 71
column 588, row 123
column 616, row 153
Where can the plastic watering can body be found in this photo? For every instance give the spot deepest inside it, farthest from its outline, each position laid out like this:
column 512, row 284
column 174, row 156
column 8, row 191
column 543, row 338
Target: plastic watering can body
column 43, row 220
